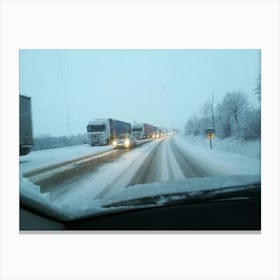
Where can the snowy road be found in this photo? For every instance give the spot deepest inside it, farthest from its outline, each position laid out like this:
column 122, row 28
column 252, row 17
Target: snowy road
column 95, row 176
column 161, row 160
column 54, row 176
column 164, row 162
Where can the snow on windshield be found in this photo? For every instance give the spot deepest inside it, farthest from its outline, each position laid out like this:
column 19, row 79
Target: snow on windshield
column 191, row 186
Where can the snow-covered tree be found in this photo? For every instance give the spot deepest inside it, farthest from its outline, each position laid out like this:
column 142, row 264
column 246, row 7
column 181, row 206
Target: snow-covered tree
column 249, row 127
column 192, row 126
column 235, row 103
column 207, row 113
column 257, row 89
column 49, row 142
column 224, row 121
column 233, row 116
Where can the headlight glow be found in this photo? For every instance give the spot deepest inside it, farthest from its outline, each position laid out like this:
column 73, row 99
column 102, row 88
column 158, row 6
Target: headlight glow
column 115, row 143
column 126, row 142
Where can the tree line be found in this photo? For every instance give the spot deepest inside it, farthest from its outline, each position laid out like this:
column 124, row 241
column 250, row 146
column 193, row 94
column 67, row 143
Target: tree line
column 233, row 116
column 50, row 142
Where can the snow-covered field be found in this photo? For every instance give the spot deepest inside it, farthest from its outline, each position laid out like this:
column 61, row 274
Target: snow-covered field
column 228, row 157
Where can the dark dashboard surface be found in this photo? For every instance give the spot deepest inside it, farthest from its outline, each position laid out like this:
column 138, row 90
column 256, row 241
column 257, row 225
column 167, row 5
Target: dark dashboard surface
column 236, row 214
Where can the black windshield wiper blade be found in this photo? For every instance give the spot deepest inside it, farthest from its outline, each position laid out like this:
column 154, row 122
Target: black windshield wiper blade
column 248, row 192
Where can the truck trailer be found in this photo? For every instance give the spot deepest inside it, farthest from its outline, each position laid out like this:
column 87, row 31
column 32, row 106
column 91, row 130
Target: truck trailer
column 105, row 131
column 143, row 130
column 25, row 125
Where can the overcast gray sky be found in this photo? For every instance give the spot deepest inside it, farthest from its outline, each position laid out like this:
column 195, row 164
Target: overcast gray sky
column 160, row 87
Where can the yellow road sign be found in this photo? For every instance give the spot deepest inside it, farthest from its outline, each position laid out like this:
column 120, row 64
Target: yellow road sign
column 210, row 135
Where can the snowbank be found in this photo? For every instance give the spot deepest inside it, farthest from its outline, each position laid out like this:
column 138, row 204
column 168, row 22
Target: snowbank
column 231, row 145
column 228, row 157
column 30, row 195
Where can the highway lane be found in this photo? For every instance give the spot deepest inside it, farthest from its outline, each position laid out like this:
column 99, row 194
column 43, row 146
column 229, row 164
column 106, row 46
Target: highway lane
column 159, row 160
column 56, row 176
column 167, row 162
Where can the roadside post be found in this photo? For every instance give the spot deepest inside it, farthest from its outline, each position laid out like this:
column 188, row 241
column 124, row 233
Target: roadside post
column 210, row 134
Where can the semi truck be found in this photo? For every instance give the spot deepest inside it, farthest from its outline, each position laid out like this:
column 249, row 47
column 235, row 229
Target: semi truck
column 105, row 131
column 163, row 131
column 25, row 125
column 143, row 130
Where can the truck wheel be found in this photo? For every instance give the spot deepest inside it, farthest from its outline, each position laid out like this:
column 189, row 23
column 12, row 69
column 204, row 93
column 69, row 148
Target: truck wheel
column 23, row 151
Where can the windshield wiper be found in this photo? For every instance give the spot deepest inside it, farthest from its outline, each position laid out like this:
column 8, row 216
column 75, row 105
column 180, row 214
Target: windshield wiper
column 240, row 192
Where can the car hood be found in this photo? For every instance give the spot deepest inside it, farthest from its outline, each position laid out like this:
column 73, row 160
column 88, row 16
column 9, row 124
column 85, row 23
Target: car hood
column 190, row 188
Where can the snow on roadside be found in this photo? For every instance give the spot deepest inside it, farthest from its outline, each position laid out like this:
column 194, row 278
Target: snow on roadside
column 232, row 145
column 228, row 157
column 31, row 195
column 44, row 158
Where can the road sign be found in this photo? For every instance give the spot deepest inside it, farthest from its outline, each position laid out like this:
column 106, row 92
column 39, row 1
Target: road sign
column 210, row 135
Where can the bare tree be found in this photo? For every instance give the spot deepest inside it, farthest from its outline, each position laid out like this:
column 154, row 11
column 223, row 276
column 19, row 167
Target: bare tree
column 233, row 116
column 211, row 102
column 224, row 121
column 235, row 103
column 192, row 126
column 207, row 113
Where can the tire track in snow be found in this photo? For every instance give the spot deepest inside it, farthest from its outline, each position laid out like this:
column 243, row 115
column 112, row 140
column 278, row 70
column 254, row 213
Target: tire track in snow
column 110, row 178
column 163, row 164
column 54, row 179
column 188, row 166
column 170, row 170
column 160, row 165
column 146, row 173
column 174, row 165
column 123, row 180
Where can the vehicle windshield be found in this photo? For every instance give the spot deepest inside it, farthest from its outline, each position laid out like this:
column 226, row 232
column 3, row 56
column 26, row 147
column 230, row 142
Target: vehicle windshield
column 96, row 128
column 200, row 111
column 137, row 129
column 123, row 136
